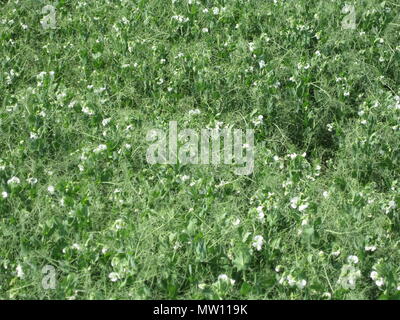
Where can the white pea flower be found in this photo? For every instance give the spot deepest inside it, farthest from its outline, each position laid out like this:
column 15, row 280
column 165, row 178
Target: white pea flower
column 303, row 207
column 4, row 194
column 185, row 178
column 114, row 276
column 352, row 259
column 336, row 253
column 291, row 280
column 87, row 111
column 100, row 148
column 251, row 46
column 105, row 121
column 294, row 201
column 42, row 114
column 180, row 18
column 225, row 278
column 236, row 222
column 259, row 120
column 370, row 248
column 119, row 224
column 20, row 272
column 194, row 112
column 260, row 212
column 33, row 136
column 76, row 246
column 202, row 286
column 380, row 282
column 32, row 181
column 14, row 180
column 374, row 275
column 50, row 189
column 301, row 284
column 258, row 242
column 327, row 295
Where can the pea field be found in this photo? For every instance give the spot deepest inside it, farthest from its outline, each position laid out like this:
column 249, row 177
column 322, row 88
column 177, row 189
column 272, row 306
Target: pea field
column 86, row 212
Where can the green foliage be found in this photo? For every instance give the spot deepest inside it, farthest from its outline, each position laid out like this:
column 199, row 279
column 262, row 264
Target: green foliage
column 319, row 215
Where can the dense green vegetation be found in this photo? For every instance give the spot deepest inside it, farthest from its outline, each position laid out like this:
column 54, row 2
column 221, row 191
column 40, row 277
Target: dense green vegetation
column 317, row 219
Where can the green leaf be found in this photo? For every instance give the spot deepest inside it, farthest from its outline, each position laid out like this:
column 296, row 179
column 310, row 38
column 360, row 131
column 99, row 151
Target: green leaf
column 242, row 259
